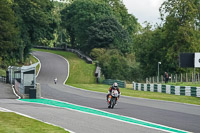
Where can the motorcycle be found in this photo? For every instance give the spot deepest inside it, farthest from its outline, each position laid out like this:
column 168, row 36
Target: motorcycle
column 112, row 98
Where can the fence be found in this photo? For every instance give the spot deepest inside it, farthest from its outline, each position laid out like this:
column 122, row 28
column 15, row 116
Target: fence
column 3, row 79
column 111, row 81
column 169, row 89
column 81, row 55
column 187, row 77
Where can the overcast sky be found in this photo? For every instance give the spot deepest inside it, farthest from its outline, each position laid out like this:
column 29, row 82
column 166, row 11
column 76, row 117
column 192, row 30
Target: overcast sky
column 144, row 10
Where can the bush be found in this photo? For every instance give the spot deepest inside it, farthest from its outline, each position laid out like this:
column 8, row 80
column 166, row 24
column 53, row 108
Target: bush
column 115, row 65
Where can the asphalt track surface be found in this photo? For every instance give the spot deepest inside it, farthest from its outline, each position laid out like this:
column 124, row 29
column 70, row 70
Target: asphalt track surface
column 176, row 115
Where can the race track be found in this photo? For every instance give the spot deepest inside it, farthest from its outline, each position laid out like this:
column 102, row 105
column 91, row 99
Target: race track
column 176, row 115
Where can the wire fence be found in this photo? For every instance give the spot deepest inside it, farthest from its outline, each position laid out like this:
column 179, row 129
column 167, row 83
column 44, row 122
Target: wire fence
column 174, row 78
column 3, row 79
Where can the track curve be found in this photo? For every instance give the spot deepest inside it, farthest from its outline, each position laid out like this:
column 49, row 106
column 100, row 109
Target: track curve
column 177, row 115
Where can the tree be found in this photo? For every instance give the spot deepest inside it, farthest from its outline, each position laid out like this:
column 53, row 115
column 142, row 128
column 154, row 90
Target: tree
column 181, row 28
column 8, row 35
column 115, row 65
column 78, row 16
column 149, row 50
column 35, row 23
column 128, row 21
column 108, row 33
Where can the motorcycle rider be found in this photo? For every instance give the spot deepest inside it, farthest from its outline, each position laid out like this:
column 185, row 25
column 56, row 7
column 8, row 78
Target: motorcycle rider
column 113, row 87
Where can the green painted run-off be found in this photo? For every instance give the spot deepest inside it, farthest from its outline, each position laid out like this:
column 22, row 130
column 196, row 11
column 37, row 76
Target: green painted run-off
column 102, row 113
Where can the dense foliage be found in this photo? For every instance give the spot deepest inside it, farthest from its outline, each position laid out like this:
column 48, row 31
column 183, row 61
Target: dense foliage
column 104, row 30
column 24, row 23
column 8, row 35
column 179, row 33
column 35, row 23
column 103, row 25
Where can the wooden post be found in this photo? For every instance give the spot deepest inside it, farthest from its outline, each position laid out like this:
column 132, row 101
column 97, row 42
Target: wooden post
column 186, row 77
column 181, row 78
column 176, row 78
column 192, row 77
column 171, row 78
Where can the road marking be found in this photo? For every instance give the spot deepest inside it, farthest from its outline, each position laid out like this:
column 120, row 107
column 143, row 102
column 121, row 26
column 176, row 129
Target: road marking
column 4, row 110
column 104, row 114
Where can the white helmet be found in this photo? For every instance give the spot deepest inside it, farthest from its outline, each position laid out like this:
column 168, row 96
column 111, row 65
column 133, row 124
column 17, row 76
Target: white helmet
column 115, row 84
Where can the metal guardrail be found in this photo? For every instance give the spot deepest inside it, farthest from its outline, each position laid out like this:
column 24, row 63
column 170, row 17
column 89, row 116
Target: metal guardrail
column 81, row 55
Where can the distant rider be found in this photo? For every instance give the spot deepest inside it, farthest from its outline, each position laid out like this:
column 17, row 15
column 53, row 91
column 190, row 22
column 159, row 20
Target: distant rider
column 113, row 87
column 55, row 80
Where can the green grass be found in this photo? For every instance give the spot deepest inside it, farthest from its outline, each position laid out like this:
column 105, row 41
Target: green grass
column 2, row 72
column 82, row 76
column 195, row 84
column 14, row 123
column 80, row 71
column 34, row 60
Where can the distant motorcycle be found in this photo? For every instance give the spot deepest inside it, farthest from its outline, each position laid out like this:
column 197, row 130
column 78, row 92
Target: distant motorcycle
column 112, row 99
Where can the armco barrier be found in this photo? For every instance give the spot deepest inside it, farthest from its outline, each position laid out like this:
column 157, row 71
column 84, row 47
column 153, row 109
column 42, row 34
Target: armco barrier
column 120, row 83
column 169, row 89
column 81, row 55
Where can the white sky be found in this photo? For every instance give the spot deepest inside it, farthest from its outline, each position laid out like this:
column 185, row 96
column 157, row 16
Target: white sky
column 144, row 10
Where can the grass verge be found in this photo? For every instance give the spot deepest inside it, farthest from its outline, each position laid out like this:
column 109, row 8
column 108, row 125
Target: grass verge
column 82, row 76
column 34, row 60
column 2, row 72
column 14, row 123
column 195, row 84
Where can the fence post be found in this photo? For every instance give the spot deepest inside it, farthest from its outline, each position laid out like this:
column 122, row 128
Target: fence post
column 176, row 78
column 186, row 77
column 157, row 79
column 181, row 77
column 192, row 77
column 171, row 78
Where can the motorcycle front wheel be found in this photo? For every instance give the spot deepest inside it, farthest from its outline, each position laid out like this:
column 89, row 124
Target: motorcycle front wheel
column 112, row 103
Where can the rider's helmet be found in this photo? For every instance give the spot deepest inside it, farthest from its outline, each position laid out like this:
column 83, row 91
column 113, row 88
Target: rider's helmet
column 115, row 84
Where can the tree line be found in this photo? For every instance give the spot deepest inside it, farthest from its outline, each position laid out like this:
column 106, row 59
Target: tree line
column 104, row 30
column 23, row 23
